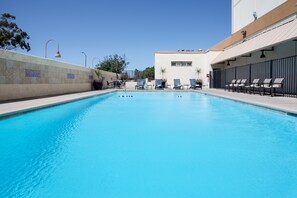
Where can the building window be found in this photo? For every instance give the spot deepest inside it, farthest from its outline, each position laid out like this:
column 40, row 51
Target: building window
column 181, row 63
column 32, row 73
column 70, row 76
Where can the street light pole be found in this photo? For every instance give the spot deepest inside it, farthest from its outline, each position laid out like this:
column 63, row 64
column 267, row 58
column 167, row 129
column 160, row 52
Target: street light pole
column 85, row 58
column 58, row 55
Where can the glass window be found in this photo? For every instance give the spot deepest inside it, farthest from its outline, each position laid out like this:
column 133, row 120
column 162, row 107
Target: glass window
column 181, row 63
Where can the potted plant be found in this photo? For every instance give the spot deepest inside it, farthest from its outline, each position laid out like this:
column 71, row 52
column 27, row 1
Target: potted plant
column 163, row 71
column 98, row 84
column 199, row 80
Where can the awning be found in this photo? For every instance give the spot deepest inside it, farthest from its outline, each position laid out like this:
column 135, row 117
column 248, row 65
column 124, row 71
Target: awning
column 280, row 34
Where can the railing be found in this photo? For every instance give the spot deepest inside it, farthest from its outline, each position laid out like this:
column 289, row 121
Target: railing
column 279, row 68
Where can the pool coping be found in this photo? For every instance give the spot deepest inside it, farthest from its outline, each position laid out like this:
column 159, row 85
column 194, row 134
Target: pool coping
column 28, row 106
column 254, row 103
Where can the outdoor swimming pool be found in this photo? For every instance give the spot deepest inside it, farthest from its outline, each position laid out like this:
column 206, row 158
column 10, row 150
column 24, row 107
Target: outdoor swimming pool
column 154, row 144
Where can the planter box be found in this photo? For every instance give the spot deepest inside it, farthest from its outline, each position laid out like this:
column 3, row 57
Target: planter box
column 97, row 85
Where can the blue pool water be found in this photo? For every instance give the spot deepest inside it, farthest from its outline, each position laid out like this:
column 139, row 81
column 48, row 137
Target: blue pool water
column 154, row 144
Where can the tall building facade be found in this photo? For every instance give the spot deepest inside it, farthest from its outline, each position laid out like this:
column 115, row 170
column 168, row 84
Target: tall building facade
column 245, row 12
column 263, row 45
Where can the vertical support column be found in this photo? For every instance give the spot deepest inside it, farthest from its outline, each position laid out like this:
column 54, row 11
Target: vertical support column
column 271, row 69
column 250, row 73
column 295, row 65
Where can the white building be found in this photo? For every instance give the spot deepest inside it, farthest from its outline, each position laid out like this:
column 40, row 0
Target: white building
column 264, row 39
column 245, row 12
column 183, row 65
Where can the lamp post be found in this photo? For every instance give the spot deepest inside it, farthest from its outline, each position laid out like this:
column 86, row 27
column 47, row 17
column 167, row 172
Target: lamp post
column 93, row 61
column 85, row 58
column 58, row 55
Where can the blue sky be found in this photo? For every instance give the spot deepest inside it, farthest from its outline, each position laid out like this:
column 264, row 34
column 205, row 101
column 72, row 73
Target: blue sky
column 133, row 27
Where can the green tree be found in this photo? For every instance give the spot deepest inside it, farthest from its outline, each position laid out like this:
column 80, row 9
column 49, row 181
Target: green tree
column 11, row 36
column 113, row 63
column 149, row 73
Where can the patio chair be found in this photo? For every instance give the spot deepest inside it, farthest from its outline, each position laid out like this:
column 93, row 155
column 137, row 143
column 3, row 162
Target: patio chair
column 117, row 84
column 109, row 84
column 140, row 84
column 277, row 84
column 158, row 84
column 176, row 84
column 123, row 84
column 236, row 85
column 266, row 85
column 255, row 84
column 230, row 85
column 241, row 85
column 194, row 84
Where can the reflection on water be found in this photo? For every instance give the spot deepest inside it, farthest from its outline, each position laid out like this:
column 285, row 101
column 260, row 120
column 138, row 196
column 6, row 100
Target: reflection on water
column 31, row 144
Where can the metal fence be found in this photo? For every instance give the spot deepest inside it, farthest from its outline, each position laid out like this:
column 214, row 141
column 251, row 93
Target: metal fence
column 280, row 68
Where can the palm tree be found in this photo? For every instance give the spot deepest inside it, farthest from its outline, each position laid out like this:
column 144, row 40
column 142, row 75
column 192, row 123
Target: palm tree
column 163, row 71
column 99, row 74
column 198, row 71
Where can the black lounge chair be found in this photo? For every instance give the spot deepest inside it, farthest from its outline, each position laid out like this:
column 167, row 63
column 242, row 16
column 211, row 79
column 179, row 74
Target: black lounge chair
column 236, row 85
column 176, row 84
column 241, row 85
column 251, row 87
column 277, row 84
column 140, row 84
column 158, row 84
column 266, row 85
column 230, row 85
column 194, row 84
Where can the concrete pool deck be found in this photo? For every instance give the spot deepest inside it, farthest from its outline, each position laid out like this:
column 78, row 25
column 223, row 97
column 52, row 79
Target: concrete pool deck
column 10, row 108
column 279, row 103
column 283, row 104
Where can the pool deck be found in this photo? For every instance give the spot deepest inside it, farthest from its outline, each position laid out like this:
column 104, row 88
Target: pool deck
column 279, row 103
column 10, row 108
column 283, row 104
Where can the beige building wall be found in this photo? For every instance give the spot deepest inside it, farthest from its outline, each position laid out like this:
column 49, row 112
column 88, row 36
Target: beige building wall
column 23, row 76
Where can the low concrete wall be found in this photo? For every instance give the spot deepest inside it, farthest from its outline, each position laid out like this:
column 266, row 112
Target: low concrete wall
column 23, row 76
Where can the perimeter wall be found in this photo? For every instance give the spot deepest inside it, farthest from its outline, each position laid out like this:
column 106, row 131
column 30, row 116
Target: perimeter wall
column 23, row 76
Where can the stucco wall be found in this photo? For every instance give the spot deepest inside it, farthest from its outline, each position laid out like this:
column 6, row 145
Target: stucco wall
column 280, row 13
column 199, row 60
column 23, row 76
column 242, row 11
